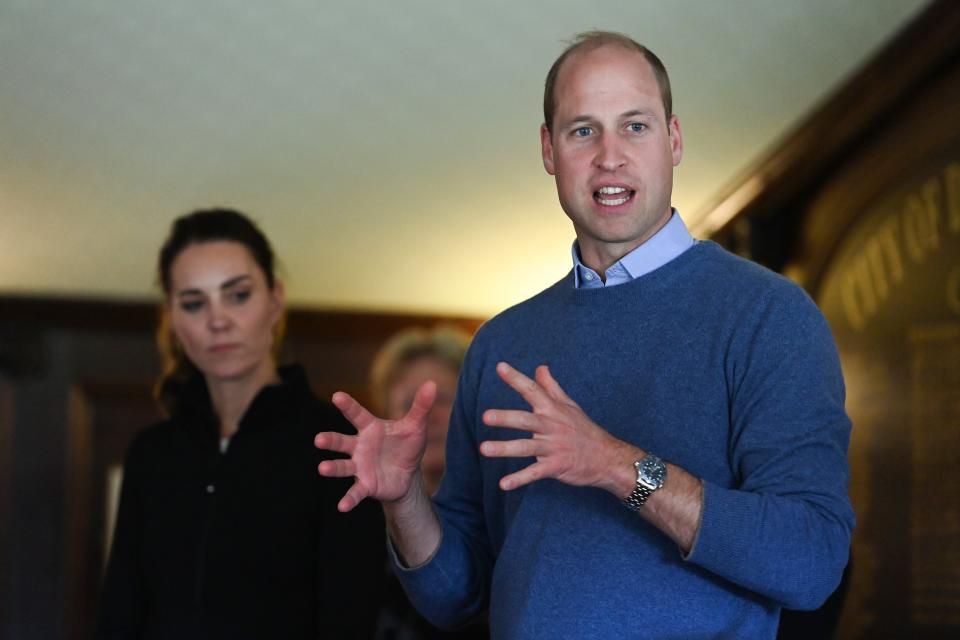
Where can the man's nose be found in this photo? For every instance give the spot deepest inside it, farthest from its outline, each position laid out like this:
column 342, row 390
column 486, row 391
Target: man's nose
column 610, row 154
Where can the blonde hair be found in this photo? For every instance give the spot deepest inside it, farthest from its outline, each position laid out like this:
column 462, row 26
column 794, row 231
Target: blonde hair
column 444, row 343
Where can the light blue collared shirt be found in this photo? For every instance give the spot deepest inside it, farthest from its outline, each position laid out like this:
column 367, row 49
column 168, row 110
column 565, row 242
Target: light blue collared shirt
column 666, row 244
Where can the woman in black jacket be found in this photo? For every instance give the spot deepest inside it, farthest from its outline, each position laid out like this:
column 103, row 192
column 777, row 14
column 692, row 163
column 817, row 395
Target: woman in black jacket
column 224, row 529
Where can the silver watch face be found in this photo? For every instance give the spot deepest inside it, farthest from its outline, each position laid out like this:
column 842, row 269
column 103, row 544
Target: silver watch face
column 652, row 472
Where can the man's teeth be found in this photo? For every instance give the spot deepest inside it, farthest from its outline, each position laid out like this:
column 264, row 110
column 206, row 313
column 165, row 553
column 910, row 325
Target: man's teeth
column 609, row 191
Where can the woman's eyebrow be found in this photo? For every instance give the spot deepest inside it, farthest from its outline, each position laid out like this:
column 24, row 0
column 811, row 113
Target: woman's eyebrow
column 235, row 280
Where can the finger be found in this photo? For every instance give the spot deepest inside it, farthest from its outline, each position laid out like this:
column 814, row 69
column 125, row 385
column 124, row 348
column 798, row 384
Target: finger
column 422, row 402
column 528, row 389
column 519, row 448
column 333, row 441
column 532, row 473
column 547, row 382
column 351, row 498
column 516, row 419
column 352, row 410
column 337, row 468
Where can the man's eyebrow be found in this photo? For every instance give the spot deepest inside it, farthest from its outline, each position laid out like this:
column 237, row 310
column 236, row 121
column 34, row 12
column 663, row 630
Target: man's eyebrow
column 639, row 112
column 647, row 113
column 577, row 120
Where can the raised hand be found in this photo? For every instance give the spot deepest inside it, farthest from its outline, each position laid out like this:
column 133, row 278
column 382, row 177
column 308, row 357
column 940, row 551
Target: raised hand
column 384, row 455
column 567, row 444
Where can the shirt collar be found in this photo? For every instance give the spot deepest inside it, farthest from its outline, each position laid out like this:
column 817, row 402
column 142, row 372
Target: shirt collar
column 666, row 244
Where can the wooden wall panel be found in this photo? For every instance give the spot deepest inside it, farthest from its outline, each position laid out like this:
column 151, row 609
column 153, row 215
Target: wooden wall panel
column 861, row 205
column 104, row 416
column 6, row 452
column 889, row 295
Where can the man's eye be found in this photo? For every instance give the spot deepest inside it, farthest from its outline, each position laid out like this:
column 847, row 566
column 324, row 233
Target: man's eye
column 637, row 127
column 191, row 305
column 582, row 132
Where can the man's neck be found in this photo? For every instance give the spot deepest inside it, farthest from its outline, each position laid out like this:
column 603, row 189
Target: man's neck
column 600, row 256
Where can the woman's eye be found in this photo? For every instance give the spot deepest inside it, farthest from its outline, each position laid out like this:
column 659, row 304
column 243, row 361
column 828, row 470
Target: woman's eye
column 240, row 296
column 191, row 305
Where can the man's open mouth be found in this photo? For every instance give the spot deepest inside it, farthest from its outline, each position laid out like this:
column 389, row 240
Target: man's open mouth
column 612, row 196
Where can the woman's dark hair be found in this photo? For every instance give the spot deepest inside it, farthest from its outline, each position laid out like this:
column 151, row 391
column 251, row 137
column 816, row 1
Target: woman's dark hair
column 210, row 225
column 204, row 225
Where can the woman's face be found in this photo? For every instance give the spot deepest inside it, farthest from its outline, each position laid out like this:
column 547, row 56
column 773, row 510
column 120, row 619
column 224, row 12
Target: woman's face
column 223, row 311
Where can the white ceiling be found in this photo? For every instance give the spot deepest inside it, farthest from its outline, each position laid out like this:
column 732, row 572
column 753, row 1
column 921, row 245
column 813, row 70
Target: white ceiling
column 389, row 149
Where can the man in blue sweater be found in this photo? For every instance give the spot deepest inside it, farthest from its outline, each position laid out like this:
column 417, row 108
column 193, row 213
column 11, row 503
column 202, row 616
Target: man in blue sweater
column 653, row 447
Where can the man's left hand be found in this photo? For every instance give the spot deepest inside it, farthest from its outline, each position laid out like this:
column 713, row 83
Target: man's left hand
column 567, row 444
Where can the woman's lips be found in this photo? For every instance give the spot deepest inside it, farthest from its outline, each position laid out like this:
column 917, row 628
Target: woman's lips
column 222, row 348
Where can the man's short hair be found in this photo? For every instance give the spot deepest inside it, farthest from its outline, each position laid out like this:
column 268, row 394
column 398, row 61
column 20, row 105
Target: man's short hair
column 445, row 344
column 590, row 40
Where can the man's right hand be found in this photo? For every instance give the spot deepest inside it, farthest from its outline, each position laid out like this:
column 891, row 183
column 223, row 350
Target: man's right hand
column 384, row 456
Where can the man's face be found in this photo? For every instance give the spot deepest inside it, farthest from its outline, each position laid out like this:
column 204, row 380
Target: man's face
column 612, row 151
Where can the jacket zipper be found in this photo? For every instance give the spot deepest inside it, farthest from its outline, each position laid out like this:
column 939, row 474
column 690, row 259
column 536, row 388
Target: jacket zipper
column 211, row 499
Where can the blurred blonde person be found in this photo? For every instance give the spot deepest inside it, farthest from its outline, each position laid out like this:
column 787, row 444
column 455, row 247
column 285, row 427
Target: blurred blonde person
column 405, row 362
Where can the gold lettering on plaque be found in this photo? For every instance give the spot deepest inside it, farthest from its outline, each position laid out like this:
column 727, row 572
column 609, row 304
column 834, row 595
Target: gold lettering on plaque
column 872, row 274
column 921, row 218
column 914, row 233
column 859, row 303
column 883, row 253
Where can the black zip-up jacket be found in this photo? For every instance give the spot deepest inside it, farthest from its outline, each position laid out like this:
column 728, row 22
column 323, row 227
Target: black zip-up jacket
column 246, row 543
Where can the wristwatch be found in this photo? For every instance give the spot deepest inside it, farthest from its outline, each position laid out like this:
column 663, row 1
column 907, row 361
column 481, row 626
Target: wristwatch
column 651, row 473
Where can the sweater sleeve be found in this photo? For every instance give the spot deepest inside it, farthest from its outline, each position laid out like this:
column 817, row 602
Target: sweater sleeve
column 452, row 587
column 783, row 530
column 123, row 598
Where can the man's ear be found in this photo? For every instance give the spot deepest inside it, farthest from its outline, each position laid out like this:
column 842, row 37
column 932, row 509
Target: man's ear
column 676, row 139
column 546, row 148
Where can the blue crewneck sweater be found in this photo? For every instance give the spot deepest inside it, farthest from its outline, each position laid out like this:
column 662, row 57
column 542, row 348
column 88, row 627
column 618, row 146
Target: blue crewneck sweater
column 715, row 364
